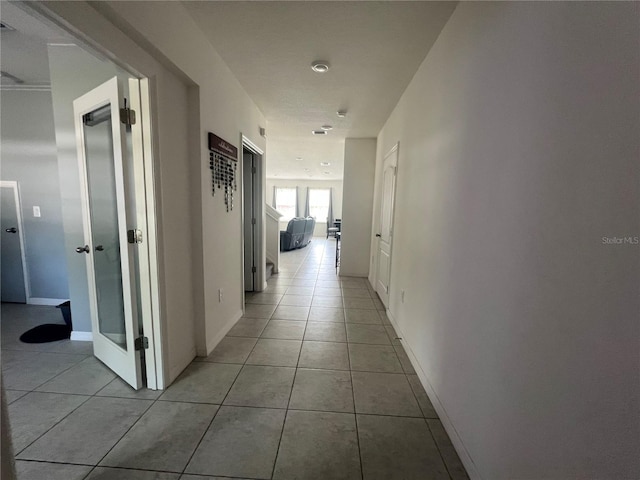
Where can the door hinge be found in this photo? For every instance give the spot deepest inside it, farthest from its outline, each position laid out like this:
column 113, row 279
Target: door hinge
column 127, row 116
column 141, row 343
column 253, row 269
column 253, row 221
column 134, row 236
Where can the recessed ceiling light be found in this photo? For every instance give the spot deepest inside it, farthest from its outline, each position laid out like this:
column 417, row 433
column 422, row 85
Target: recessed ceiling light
column 341, row 113
column 327, row 173
column 306, row 169
column 325, row 164
column 320, row 66
column 319, row 132
column 298, row 158
column 326, row 127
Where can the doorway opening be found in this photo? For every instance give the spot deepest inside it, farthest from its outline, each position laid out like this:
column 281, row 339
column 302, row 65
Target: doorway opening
column 252, row 217
column 14, row 282
column 42, row 161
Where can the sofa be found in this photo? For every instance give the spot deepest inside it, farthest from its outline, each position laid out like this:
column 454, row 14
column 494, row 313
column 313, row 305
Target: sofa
column 298, row 233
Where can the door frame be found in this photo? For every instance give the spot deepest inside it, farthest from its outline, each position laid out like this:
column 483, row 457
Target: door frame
column 249, row 244
column 23, row 253
column 395, row 149
column 142, row 146
column 258, row 209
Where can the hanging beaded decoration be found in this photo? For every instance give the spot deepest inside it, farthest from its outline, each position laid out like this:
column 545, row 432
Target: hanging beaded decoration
column 223, row 164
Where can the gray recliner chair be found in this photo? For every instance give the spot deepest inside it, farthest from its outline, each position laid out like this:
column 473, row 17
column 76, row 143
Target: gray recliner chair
column 298, row 233
column 292, row 237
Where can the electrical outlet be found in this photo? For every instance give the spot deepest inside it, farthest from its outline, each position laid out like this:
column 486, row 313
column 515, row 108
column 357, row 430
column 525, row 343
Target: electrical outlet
column 36, row 211
column 402, row 295
column 220, row 295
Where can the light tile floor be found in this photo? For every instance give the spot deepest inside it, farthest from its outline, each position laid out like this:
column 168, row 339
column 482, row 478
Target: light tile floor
column 311, row 383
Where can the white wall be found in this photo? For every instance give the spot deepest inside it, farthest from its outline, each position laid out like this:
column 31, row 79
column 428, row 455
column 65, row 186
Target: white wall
column 518, row 152
column 28, row 151
column 320, row 229
column 357, row 208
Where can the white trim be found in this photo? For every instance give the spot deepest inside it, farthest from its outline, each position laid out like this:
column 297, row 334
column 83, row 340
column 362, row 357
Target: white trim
column 161, row 374
column 138, row 134
column 26, row 88
column 259, row 212
column 272, row 212
column 458, row 444
column 46, row 301
column 246, row 142
column 82, row 336
column 23, row 252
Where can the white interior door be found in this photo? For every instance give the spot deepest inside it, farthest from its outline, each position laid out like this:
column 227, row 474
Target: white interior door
column 12, row 263
column 106, row 205
column 385, row 236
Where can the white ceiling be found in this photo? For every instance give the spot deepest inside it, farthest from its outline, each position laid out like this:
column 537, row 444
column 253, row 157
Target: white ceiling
column 374, row 49
column 23, row 51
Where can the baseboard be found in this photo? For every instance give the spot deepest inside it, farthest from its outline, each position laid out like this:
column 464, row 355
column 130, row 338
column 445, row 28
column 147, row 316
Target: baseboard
column 46, row 301
column 217, row 338
column 82, row 336
column 465, row 458
column 351, row 274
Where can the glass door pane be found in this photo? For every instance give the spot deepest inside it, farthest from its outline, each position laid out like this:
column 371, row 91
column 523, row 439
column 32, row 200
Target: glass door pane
column 101, row 186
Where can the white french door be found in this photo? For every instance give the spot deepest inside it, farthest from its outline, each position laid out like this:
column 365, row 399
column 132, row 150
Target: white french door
column 110, row 235
column 385, row 236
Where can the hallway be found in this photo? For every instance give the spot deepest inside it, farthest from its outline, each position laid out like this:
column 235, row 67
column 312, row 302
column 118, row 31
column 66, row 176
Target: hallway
column 276, row 399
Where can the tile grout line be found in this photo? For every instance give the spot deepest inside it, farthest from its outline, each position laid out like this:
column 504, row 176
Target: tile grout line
column 355, row 415
column 295, row 374
column 204, row 433
column 433, row 437
column 153, row 402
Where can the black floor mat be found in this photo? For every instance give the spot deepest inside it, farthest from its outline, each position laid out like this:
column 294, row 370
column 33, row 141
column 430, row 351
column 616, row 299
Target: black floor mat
column 49, row 332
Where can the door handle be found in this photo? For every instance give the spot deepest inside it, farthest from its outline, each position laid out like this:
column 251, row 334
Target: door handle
column 11, row 230
column 84, row 249
column 378, row 235
column 99, row 248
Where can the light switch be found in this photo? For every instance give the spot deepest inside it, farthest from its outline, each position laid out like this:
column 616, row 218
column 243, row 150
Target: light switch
column 36, row 211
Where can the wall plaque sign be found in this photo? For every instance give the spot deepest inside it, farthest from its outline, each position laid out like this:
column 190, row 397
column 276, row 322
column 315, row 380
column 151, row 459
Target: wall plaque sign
column 223, row 163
